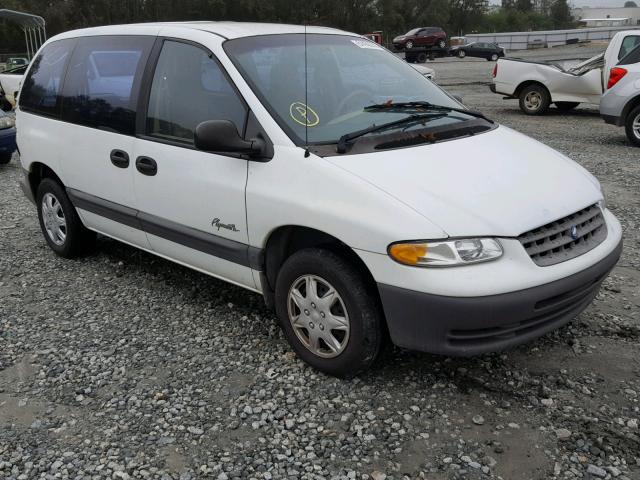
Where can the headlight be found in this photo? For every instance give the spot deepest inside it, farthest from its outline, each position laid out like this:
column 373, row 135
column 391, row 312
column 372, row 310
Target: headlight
column 6, row 122
column 446, row 253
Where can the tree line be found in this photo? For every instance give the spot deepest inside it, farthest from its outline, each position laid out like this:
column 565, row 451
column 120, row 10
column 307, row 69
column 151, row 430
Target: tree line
column 393, row 17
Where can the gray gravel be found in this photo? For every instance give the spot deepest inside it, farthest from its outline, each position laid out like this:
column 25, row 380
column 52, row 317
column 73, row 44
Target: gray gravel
column 123, row 365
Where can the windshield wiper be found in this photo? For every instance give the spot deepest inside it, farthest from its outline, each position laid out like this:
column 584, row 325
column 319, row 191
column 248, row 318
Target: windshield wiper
column 421, row 106
column 415, row 118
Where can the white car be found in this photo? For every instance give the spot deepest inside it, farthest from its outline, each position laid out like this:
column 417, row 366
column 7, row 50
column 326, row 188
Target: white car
column 10, row 81
column 356, row 196
column 539, row 84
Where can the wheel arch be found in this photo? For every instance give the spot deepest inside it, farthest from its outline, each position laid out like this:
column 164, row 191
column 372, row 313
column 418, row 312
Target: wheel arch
column 630, row 105
column 286, row 240
column 527, row 83
column 39, row 171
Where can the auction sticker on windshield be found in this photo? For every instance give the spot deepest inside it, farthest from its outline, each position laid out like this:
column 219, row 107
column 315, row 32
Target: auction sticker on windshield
column 366, row 44
column 303, row 114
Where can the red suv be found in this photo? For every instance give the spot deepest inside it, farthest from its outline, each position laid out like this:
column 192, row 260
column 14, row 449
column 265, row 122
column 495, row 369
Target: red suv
column 421, row 37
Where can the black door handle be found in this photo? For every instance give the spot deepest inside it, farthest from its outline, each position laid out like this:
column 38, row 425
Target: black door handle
column 120, row 158
column 147, row 166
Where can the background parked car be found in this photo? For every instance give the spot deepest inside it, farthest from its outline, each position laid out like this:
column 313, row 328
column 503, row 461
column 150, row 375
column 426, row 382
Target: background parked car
column 490, row 51
column 620, row 104
column 16, row 62
column 9, row 86
column 421, row 37
column 7, row 137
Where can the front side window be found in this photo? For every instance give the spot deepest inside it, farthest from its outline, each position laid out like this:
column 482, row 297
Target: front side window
column 41, row 90
column 345, row 75
column 102, row 82
column 189, row 87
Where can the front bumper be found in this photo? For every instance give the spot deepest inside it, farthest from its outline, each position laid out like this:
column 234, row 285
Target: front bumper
column 460, row 326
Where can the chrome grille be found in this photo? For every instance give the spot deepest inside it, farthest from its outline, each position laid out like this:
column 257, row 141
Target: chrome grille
column 553, row 243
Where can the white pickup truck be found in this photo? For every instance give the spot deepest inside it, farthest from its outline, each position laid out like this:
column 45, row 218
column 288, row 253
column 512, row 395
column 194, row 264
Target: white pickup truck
column 10, row 81
column 539, row 84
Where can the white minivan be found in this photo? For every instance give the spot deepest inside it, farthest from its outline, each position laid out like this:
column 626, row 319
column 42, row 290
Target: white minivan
column 320, row 170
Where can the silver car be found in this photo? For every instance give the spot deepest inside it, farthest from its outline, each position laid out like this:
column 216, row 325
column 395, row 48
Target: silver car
column 620, row 104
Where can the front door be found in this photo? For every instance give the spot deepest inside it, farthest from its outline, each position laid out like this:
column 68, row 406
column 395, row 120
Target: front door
column 192, row 203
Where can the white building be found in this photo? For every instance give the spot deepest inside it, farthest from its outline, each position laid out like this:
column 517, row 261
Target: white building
column 607, row 17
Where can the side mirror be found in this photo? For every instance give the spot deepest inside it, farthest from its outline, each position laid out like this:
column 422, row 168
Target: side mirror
column 222, row 136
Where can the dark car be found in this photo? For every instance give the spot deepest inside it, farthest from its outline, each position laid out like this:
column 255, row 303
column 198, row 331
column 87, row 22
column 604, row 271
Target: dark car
column 421, row 38
column 7, row 137
column 490, row 51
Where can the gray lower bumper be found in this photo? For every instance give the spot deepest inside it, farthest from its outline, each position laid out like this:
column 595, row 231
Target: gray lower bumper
column 471, row 326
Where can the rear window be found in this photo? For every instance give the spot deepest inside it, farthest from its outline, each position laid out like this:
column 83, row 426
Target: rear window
column 102, row 82
column 41, row 89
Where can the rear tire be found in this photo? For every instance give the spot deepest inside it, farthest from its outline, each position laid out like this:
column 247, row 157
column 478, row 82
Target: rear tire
column 534, row 100
column 493, row 57
column 60, row 224
column 566, row 106
column 5, row 158
column 462, row 54
column 422, row 58
column 632, row 126
column 307, row 317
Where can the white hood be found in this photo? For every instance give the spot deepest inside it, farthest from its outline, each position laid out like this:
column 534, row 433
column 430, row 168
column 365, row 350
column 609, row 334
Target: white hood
column 499, row 183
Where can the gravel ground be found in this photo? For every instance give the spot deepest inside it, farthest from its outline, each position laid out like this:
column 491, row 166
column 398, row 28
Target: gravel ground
column 123, row 365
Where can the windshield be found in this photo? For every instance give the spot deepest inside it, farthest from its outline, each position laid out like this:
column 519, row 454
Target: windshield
column 345, row 75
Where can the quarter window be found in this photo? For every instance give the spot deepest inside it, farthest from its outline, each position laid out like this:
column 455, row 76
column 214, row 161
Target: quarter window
column 628, row 44
column 188, row 88
column 41, row 90
column 103, row 80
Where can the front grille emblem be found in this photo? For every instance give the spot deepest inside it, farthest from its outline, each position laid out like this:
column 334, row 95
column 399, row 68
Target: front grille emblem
column 574, row 232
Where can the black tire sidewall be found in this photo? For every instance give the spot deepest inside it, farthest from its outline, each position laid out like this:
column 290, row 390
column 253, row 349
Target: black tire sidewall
column 365, row 317
column 546, row 101
column 5, row 158
column 629, row 126
column 73, row 244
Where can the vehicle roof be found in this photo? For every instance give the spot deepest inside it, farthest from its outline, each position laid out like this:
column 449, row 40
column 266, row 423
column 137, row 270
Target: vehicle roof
column 224, row 29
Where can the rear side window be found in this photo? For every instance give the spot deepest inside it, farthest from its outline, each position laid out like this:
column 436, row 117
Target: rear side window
column 632, row 57
column 103, row 80
column 41, row 89
column 628, row 44
column 190, row 87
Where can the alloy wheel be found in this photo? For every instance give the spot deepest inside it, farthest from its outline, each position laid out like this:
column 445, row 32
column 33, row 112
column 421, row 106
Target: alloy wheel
column 53, row 218
column 318, row 316
column 635, row 126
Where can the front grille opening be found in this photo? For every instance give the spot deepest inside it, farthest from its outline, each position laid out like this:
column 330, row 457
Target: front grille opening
column 555, row 242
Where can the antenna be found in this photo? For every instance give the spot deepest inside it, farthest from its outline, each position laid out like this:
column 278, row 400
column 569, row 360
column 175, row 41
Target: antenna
column 306, row 85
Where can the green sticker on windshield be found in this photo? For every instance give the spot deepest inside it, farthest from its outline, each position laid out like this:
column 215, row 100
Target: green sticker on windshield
column 303, row 114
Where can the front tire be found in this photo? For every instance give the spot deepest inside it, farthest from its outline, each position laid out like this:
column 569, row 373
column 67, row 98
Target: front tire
column 462, row 54
column 493, row 57
column 632, row 126
column 442, row 44
column 60, row 224
column 328, row 312
column 408, row 45
column 534, row 100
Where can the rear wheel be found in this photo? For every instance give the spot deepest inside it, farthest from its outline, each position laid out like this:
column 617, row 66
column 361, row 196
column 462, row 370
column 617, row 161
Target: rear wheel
column 632, row 126
column 328, row 312
column 422, row 58
column 5, row 158
column 462, row 54
column 566, row 106
column 534, row 100
column 60, row 224
column 493, row 57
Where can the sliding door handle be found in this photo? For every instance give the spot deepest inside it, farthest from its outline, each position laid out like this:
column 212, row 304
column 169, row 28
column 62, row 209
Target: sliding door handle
column 147, row 166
